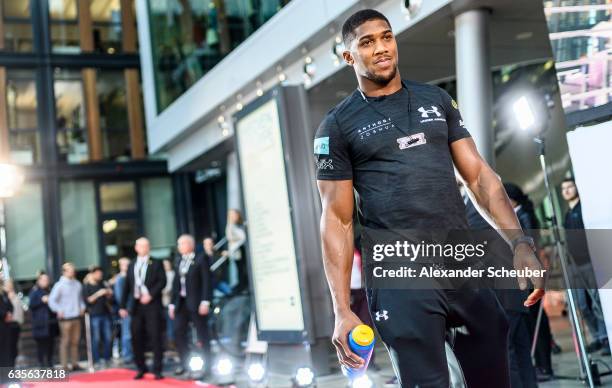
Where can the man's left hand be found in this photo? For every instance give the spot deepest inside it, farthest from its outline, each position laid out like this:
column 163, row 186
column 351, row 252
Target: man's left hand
column 524, row 258
column 203, row 309
column 145, row 299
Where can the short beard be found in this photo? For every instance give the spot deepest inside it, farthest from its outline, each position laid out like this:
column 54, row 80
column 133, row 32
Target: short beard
column 379, row 79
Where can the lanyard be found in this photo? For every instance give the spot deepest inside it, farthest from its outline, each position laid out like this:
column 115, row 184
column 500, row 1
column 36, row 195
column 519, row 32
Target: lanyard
column 140, row 273
column 184, row 265
column 404, row 86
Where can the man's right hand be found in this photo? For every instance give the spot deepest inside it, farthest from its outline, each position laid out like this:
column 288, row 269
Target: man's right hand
column 171, row 312
column 60, row 315
column 345, row 322
column 123, row 313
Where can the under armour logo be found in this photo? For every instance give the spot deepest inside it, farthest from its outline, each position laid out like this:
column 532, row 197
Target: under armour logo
column 384, row 315
column 425, row 112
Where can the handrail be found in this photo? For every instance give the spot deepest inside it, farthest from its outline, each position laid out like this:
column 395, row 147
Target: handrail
column 224, row 258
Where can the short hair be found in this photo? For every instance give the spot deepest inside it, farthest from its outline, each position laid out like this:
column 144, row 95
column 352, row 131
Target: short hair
column 188, row 237
column 143, row 239
column 357, row 19
column 67, row 265
column 570, row 179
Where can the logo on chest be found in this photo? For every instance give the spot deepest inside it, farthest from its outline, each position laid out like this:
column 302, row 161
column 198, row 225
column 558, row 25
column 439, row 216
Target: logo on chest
column 375, row 127
column 411, row 141
column 432, row 114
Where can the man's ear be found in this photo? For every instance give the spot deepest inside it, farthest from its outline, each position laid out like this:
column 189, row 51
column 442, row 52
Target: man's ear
column 348, row 58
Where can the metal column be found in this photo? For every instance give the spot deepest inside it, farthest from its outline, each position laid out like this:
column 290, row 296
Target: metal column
column 474, row 85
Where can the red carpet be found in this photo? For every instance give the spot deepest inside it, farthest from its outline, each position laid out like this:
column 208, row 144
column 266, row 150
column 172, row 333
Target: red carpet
column 117, row 378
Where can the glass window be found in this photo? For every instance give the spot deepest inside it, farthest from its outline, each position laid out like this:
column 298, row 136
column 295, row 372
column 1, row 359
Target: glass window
column 158, row 214
column 582, row 53
column 17, row 25
column 119, row 236
column 190, row 38
column 64, row 26
column 113, row 114
column 79, row 224
column 118, row 197
column 70, row 117
column 25, row 232
column 21, row 116
column 106, row 17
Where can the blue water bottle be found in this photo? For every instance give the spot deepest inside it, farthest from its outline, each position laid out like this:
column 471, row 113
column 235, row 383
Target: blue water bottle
column 361, row 342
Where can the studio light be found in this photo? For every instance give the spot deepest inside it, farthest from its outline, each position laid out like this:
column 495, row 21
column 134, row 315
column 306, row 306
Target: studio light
column 224, row 366
column 362, row 382
column 304, row 377
column 523, row 113
column 196, row 363
column 10, row 180
column 256, row 372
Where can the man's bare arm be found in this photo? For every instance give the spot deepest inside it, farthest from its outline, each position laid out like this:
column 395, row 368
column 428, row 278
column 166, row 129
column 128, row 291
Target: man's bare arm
column 338, row 246
column 490, row 195
column 486, row 187
column 337, row 238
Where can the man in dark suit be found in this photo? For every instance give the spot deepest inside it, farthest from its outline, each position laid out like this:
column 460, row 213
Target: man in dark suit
column 191, row 295
column 145, row 280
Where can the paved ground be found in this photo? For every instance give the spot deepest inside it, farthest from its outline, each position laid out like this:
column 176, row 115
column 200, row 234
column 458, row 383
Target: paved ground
column 564, row 364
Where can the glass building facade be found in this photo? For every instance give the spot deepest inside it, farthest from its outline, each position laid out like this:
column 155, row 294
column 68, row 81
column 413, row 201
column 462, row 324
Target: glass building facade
column 581, row 39
column 188, row 38
column 71, row 117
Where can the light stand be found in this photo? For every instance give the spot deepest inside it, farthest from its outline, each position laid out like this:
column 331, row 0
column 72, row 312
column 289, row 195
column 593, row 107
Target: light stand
column 536, row 121
column 583, row 357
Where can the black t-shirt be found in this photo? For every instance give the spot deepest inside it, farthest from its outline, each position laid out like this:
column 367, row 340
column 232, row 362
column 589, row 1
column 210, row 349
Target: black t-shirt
column 100, row 306
column 396, row 150
column 576, row 236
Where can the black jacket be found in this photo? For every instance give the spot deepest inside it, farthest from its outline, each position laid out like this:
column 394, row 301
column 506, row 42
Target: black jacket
column 198, row 283
column 44, row 321
column 155, row 281
column 576, row 235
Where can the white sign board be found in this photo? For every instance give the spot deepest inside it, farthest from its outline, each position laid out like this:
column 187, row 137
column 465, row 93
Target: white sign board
column 273, row 263
column 589, row 149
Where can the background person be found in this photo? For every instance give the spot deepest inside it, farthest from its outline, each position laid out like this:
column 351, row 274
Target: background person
column 44, row 321
column 125, row 336
column 236, row 237
column 97, row 297
column 66, row 300
column 220, row 275
column 192, row 292
column 587, row 296
column 145, row 281
column 14, row 324
column 166, row 301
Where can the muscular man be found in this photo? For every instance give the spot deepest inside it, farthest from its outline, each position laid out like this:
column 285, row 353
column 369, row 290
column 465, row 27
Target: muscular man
column 145, row 281
column 395, row 143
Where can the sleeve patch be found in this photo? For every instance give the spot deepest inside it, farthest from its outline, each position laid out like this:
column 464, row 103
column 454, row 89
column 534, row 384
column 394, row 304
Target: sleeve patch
column 321, row 145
